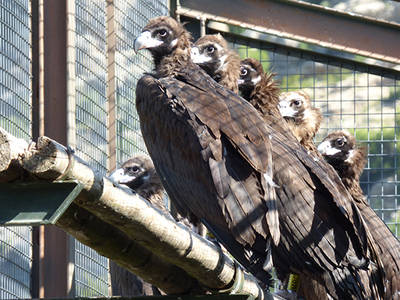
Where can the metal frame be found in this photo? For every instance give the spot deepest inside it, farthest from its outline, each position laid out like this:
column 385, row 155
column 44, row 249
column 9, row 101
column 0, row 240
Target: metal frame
column 365, row 64
column 300, row 21
column 39, row 203
column 53, row 253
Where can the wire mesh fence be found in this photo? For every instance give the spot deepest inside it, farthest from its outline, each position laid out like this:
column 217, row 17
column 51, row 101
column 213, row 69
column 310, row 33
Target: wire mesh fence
column 131, row 17
column 362, row 102
column 15, row 262
column 365, row 104
column 91, row 118
column 91, row 82
column 91, row 272
column 91, row 269
column 15, row 117
column 15, row 62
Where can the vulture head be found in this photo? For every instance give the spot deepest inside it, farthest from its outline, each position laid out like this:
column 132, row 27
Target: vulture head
column 257, row 87
column 303, row 119
column 251, row 72
column 212, row 54
column 164, row 37
column 340, row 150
column 297, row 106
column 139, row 174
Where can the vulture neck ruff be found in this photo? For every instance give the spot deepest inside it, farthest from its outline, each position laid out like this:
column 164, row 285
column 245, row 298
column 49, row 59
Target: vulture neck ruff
column 228, row 72
column 305, row 126
column 169, row 64
column 265, row 95
column 350, row 170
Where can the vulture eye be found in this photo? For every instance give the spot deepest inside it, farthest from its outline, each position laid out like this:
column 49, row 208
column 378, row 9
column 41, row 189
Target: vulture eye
column 243, row 71
column 340, row 142
column 134, row 169
column 297, row 102
column 162, row 33
column 210, row 49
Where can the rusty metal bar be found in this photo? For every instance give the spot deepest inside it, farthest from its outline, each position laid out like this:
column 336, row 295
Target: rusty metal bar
column 304, row 22
column 55, row 252
column 55, row 70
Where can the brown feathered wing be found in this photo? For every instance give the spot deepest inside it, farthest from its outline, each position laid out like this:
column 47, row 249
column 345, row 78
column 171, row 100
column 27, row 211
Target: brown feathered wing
column 211, row 149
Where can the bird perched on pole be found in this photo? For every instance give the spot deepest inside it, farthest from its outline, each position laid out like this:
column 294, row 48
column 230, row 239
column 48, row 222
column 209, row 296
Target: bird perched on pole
column 257, row 88
column 303, row 119
column 212, row 54
column 191, row 132
column 218, row 159
column 138, row 174
column 340, row 150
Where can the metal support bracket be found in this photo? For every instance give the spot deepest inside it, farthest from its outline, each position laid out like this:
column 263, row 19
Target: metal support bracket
column 36, row 203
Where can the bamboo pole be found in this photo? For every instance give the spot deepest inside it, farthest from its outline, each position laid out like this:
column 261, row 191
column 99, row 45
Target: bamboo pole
column 136, row 218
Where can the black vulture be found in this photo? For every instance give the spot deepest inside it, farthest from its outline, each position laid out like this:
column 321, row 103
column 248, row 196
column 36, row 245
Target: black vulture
column 256, row 87
column 212, row 54
column 340, row 150
column 303, row 119
column 219, row 160
column 137, row 173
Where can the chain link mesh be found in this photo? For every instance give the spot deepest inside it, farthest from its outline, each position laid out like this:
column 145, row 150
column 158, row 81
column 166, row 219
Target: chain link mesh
column 15, row 117
column 365, row 104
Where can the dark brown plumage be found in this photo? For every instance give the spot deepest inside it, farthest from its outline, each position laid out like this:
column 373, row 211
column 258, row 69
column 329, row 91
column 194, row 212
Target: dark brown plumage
column 212, row 54
column 256, row 87
column 214, row 154
column 259, row 88
column 206, row 167
column 303, row 119
column 137, row 173
column 340, row 150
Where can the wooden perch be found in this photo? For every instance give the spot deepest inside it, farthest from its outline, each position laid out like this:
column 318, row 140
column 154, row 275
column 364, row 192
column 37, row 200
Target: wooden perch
column 112, row 243
column 11, row 148
column 99, row 235
column 139, row 221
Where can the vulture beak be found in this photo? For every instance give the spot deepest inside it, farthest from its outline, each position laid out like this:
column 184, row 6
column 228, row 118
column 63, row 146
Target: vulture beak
column 198, row 58
column 118, row 176
column 325, row 148
column 145, row 41
column 240, row 81
column 285, row 109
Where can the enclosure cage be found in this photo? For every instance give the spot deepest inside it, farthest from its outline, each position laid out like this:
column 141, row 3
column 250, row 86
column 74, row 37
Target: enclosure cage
column 359, row 94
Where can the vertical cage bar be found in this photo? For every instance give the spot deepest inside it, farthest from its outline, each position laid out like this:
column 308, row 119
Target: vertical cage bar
column 56, row 259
